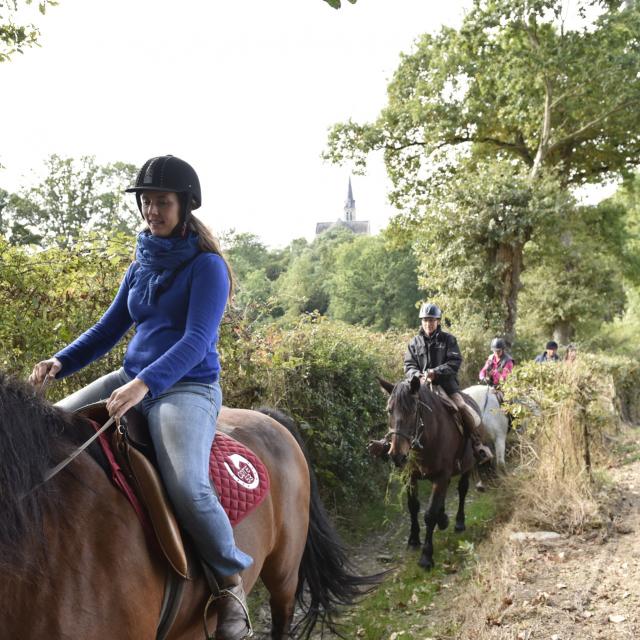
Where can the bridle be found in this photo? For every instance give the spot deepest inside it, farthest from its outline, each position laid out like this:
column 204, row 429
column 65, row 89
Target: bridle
column 415, row 438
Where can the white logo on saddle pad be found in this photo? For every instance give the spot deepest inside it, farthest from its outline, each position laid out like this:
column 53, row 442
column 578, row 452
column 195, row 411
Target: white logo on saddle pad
column 245, row 473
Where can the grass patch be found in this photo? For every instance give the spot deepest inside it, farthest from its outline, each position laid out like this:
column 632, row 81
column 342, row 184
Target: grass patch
column 403, row 602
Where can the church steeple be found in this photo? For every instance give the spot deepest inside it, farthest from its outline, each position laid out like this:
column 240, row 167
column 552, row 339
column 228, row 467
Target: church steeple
column 350, row 205
column 359, row 227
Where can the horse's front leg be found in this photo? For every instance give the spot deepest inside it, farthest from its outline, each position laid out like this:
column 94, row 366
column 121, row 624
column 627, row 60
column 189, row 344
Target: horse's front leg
column 463, row 487
column 434, row 515
column 414, row 508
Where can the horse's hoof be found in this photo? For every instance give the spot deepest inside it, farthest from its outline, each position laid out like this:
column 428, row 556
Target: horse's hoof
column 443, row 522
column 426, row 563
column 460, row 526
column 413, row 543
column 480, row 487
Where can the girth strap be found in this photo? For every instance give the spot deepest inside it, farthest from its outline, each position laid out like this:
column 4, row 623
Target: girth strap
column 173, row 592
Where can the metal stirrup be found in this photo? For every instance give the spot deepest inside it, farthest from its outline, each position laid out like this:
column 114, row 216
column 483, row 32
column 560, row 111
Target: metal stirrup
column 225, row 593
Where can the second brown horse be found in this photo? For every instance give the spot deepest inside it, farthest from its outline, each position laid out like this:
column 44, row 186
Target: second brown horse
column 420, row 421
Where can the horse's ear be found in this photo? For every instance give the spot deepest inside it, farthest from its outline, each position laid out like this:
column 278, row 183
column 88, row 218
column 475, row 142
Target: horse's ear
column 414, row 385
column 387, row 386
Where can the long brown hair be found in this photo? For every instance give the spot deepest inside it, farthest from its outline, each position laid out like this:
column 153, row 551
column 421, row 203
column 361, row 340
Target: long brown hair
column 209, row 244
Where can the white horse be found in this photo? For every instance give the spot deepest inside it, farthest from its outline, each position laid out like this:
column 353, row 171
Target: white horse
column 496, row 423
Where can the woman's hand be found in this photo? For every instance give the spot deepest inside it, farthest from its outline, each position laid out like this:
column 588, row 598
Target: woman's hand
column 44, row 369
column 125, row 397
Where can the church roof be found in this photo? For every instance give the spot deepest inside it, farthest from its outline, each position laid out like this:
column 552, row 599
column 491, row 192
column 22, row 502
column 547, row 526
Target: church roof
column 357, row 226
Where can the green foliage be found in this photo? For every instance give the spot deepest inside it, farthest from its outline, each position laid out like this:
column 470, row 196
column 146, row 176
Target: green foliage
column 336, row 4
column 74, row 199
column 324, row 374
column 373, row 284
column 576, row 272
column 15, row 38
column 48, row 298
column 516, row 85
column 303, row 288
column 469, row 237
column 602, row 389
column 513, row 81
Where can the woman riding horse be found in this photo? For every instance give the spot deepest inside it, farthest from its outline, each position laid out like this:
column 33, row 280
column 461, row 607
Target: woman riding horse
column 75, row 560
column 174, row 293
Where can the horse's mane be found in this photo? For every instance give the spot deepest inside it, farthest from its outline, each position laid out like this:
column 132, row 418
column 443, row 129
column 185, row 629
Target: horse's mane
column 404, row 399
column 34, row 436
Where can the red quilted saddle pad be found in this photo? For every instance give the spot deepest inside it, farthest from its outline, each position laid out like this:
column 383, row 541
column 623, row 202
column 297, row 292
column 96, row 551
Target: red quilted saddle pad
column 239, row 476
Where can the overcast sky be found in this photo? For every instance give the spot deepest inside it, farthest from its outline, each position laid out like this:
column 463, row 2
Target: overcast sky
column 244, row 90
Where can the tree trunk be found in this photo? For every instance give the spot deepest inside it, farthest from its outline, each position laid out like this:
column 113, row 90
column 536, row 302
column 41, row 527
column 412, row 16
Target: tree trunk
column 509, row 258
column 563, row 332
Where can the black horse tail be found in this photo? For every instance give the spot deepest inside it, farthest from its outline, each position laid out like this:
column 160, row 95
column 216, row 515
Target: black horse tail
column 325, row 575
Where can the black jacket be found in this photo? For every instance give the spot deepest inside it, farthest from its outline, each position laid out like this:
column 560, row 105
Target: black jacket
column 439, row 352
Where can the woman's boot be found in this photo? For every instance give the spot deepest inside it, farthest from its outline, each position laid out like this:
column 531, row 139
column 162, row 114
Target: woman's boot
column 233, row 615
column 231, row 607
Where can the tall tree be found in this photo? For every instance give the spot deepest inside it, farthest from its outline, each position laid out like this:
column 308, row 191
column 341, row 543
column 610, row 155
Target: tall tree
column 303, row 287
column 75, row 197
column 516, row 81
column 579, row 267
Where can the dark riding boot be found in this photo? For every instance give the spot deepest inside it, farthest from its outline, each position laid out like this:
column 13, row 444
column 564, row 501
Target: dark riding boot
column 481, row 452
column 231, row 606
column 379, row 449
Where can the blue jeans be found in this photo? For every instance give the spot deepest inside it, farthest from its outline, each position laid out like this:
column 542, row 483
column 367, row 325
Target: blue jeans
column 182, row 425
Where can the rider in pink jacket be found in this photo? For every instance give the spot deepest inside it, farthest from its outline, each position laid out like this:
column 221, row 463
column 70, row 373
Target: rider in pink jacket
column 498, row 365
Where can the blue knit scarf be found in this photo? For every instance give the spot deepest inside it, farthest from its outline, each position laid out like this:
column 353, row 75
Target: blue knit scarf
column 159, row 259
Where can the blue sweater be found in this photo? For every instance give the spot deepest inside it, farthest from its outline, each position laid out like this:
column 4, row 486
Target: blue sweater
column 175, row 338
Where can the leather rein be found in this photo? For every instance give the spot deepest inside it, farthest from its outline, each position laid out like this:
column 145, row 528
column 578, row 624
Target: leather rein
column 76, row 452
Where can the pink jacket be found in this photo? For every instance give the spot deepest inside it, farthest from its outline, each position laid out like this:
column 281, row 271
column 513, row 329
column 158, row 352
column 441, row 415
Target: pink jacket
column 497, row 368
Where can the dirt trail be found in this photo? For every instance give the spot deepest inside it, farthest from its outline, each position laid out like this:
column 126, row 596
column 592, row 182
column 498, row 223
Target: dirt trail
column 579, row 587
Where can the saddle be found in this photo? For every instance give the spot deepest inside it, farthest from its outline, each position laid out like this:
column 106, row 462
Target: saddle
column 132, row 447
column 446, row 400
column 239, row 478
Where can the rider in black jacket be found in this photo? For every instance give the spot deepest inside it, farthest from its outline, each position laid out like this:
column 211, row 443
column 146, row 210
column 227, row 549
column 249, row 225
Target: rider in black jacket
column 434, row 356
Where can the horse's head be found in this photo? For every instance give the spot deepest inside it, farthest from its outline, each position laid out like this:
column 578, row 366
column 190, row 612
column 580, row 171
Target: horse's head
column 405, row 421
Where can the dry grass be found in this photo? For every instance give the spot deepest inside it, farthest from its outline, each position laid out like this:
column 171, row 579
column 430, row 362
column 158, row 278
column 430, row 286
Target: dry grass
column 553, row 488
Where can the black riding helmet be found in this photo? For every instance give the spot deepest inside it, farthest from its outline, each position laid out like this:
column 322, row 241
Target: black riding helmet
column 430, row 310
column 168, row 173
column 498, row 343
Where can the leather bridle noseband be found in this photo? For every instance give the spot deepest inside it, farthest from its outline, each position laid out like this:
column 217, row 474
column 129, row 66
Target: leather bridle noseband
column 415, row 439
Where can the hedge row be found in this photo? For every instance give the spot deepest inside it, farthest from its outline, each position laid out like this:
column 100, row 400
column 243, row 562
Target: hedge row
column 321, row 372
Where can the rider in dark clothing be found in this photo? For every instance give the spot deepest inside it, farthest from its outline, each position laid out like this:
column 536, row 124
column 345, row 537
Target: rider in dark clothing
column 433, row 355
column 437, row 352
column 550, row 353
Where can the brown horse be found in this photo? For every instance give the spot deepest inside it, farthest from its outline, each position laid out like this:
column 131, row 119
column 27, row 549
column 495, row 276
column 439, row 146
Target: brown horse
column 74, row 561
column 419, row 421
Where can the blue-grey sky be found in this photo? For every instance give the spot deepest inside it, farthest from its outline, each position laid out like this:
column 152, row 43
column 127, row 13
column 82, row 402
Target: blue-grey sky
column 245, row 91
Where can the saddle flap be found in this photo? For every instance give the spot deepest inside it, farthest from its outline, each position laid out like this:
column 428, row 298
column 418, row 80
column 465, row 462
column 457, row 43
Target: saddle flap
column 137, row 430
column 152, row 492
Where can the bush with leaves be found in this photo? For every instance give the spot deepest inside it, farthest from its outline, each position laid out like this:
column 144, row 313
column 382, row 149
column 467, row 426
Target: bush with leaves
column 565, row 414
